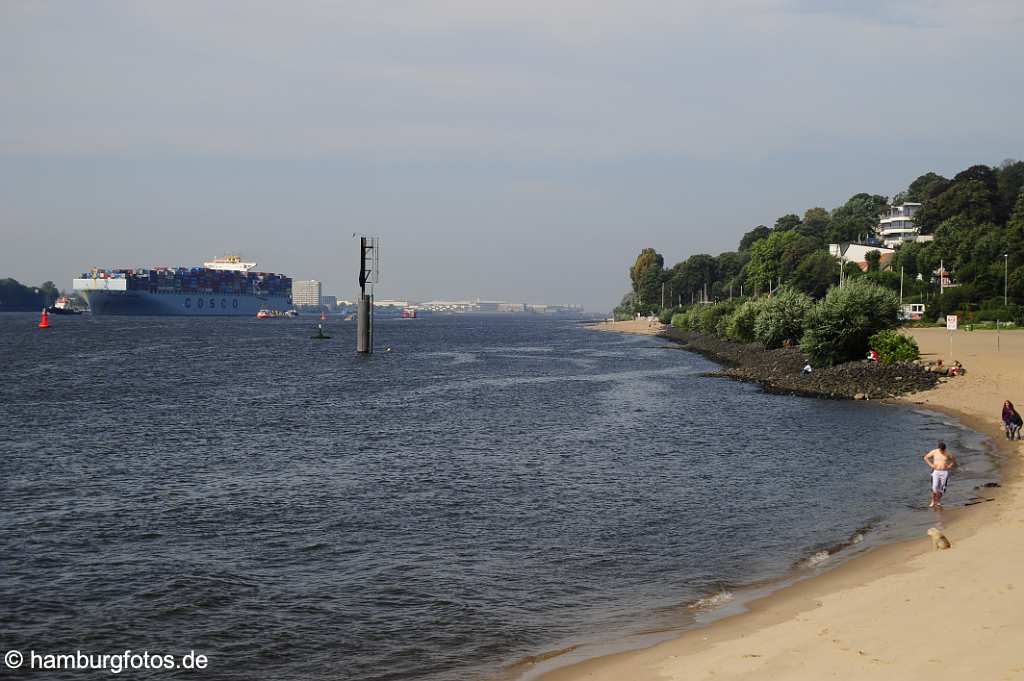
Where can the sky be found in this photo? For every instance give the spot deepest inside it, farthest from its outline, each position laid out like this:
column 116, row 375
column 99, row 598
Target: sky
column 523, row 150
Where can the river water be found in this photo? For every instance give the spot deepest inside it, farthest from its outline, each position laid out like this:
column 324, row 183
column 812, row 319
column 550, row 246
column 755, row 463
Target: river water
column 487, row 490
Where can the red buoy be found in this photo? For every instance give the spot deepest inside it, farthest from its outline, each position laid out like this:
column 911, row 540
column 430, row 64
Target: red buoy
column 44, row 321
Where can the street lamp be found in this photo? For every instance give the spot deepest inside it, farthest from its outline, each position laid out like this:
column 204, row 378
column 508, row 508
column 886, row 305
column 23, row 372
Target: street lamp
column 1006, row 269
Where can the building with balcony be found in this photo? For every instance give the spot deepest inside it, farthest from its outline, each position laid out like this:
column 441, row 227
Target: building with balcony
column 897, row 225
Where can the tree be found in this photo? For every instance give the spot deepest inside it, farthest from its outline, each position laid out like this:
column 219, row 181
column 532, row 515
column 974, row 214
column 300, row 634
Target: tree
column 815, row 274
column 1015, row 234
column 624, row 310
column 787, row 223
column 873, row 258
column 777, row 256
column 1009, row 180
column 816, row 223
column 925, row 187
column 753, row 236
column 691, row 275
column 49, row 291
column 906, row 259
column 646, row 275
column 730, row 265
column 972, row 199
column 15, row 297
column 856, row 217
column 840, row 324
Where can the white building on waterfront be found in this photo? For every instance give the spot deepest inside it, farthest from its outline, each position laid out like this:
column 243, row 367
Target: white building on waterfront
column 306, row 293
column 897, row 225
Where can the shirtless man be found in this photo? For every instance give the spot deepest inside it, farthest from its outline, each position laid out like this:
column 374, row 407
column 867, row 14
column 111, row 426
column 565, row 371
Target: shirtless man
column 941, row 463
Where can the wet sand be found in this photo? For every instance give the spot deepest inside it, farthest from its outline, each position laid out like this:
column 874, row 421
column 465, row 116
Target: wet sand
column 902, row 611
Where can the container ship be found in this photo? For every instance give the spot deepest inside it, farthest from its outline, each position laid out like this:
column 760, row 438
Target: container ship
column 223, row 286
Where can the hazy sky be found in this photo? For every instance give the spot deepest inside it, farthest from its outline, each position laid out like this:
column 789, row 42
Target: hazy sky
column 520, row 150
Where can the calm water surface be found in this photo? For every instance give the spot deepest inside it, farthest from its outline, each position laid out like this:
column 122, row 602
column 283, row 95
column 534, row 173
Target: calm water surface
column 490, row 489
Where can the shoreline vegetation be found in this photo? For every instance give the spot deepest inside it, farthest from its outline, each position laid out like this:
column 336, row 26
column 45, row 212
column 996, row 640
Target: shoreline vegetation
column 966, row 256
column 878, row 615
column 16, row 297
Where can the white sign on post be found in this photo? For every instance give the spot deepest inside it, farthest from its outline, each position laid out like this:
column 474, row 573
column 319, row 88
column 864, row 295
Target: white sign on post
column 951, row 322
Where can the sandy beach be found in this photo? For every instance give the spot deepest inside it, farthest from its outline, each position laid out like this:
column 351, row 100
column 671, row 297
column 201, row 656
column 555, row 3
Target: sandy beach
column 902, row 611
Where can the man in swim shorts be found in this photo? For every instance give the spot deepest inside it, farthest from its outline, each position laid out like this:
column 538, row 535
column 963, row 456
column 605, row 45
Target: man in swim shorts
column 941, row 463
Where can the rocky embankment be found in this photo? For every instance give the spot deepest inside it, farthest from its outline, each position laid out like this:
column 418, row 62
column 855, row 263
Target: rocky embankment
column 779, row 371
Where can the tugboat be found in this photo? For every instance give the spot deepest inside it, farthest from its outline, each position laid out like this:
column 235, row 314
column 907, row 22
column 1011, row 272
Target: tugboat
column 63, row 306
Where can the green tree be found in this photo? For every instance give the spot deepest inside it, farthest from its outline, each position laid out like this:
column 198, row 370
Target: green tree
column 49, row 291
column 1015, row 234
column 925, row 187
column 624, row 310
column 753, row 236
column 787, row 223
column 689, row 277
column 971, row 199
column 816, row 224
column 873, row 259
column 815, row 274
column 647, row 275
column 777, row 256
column 840, row 324
column 1009, row 181
column 856, row 218
column 906, row 259
column 16, row 297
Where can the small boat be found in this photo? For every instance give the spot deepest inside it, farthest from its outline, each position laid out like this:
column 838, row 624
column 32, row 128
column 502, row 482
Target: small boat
column 63, row 306
column 409, row 313
column 264, row 313
column 292, row 313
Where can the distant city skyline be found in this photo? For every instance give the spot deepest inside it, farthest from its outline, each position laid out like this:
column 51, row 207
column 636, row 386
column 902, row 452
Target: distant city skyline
column 520, row 150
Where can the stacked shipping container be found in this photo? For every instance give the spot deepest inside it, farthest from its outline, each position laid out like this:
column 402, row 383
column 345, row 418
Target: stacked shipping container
column 199, row 280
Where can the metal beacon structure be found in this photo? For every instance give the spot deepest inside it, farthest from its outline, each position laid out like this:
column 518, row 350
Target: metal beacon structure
column 369, row 272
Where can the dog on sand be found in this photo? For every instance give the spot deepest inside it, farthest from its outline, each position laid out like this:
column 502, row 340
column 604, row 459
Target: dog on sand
column 939, row 540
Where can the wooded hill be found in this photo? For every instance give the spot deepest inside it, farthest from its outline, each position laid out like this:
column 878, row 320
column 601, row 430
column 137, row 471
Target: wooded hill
column 976, row 218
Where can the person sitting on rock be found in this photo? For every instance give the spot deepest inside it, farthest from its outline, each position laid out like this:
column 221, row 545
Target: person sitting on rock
column 872, row 355
column 807, row 369
column 1012, row 421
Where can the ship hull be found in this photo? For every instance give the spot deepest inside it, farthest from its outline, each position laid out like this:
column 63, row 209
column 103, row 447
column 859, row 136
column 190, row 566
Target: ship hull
column 167, row 304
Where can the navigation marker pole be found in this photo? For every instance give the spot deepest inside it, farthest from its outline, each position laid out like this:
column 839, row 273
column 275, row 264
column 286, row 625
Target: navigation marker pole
column 369, row 271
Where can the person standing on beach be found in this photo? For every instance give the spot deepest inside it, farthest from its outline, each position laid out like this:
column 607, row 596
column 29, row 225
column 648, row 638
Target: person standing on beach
column 941, row 463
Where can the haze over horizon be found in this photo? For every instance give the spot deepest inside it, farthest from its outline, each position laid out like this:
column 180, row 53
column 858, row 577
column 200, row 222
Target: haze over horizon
column 518, row 151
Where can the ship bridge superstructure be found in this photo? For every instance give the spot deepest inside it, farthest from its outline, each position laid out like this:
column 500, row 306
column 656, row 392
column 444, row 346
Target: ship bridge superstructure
column 229, row 263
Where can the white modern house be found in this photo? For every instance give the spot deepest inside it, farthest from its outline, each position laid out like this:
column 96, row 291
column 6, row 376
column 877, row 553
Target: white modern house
column 897, row 225
column 851, row 252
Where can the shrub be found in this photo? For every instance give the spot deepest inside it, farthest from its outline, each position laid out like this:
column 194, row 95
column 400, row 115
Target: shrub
column 679, row 320
column 740, row 324
column 894, row 347
column 781, row 318
column 839, row 325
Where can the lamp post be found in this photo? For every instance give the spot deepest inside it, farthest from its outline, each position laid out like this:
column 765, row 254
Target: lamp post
column 1006, row 270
